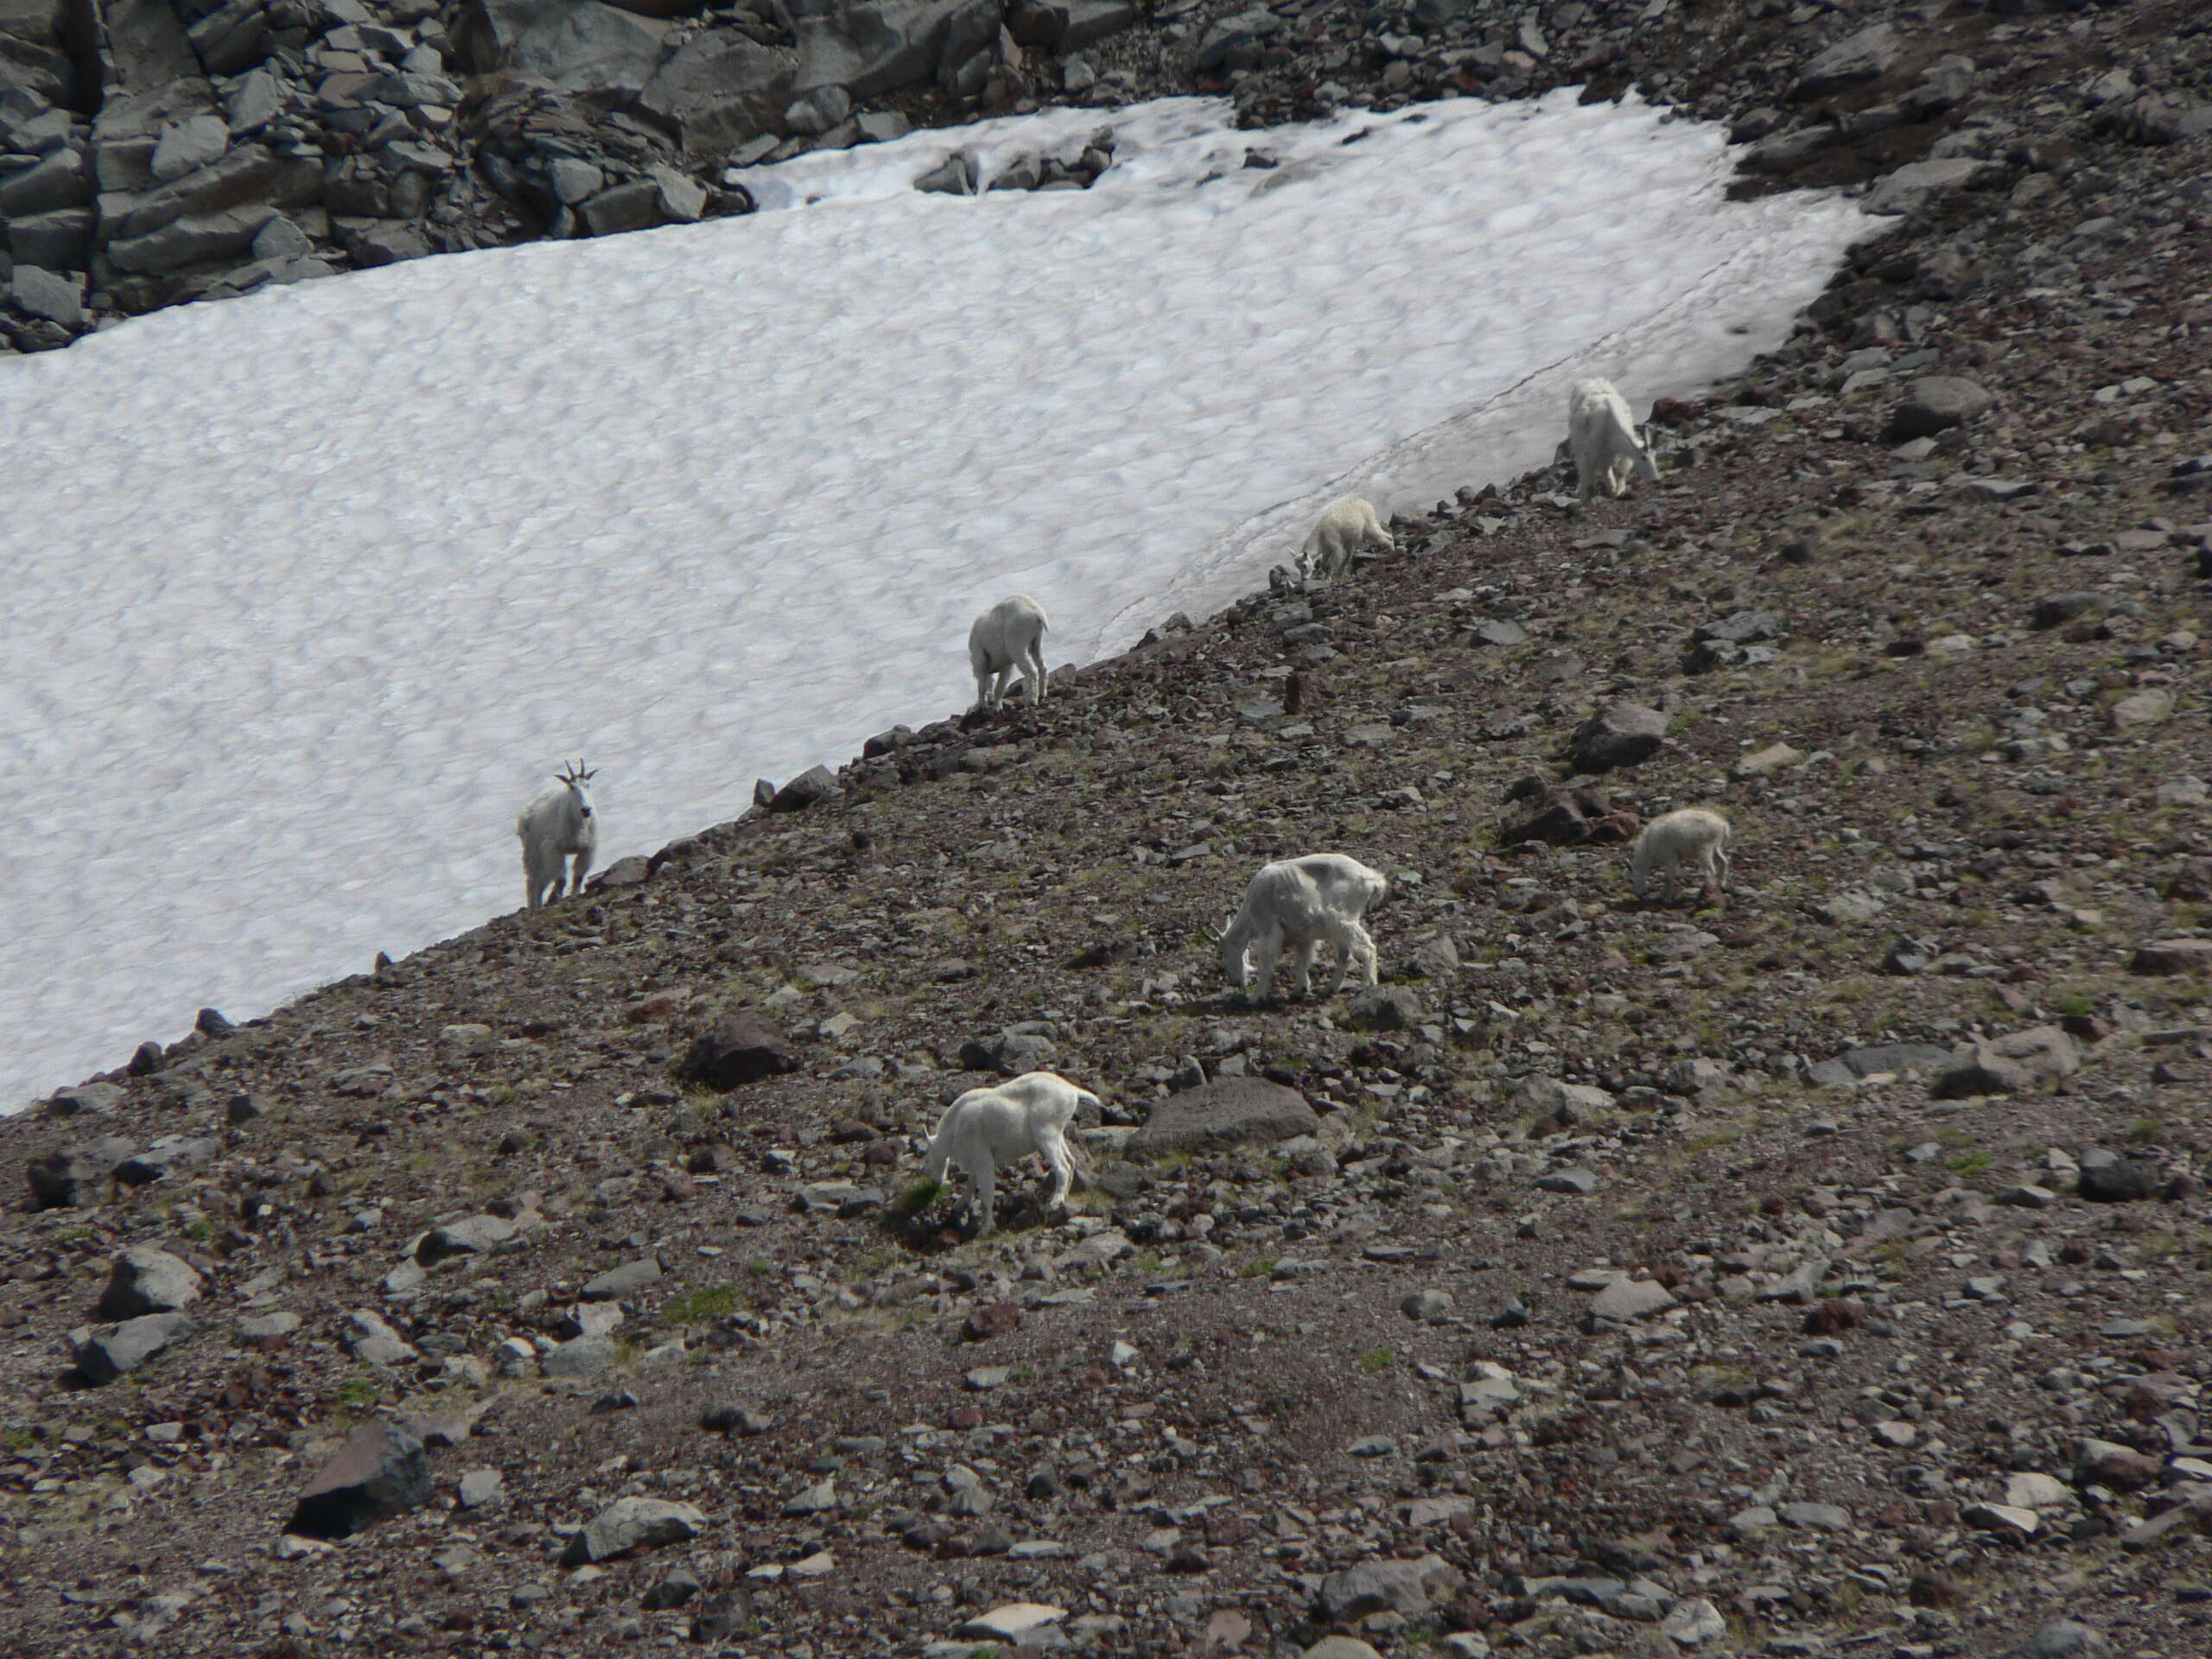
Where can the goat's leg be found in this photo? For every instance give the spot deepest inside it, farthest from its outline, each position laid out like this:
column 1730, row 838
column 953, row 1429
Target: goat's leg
column 986, row 1176
column 580, row 865
column 1266, row 950
column 1370, row 971
column 1039, row 681
column 1301, row 958
column 1054, row 1145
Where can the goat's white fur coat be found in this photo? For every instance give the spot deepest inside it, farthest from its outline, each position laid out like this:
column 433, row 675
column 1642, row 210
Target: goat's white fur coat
column 555, row 828
column 1009, row 636
column 987, row 1129
column 1690, row 837
column 1602, row 434
column 1339, row 533
column 1303, row 904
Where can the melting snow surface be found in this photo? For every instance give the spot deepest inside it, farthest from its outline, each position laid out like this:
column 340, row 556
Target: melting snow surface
column 308, row 591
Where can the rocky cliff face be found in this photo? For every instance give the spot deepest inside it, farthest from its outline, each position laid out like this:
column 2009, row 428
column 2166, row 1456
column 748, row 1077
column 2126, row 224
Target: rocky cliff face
column 157, row 152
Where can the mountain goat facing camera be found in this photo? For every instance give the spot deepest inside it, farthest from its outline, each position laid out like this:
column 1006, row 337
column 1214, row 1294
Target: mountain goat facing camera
column 1692, row 836
column 1009, row 636
column 555, row 826
column 1337, row 534
column 1304, row 903
column 1602, row 434
column 989, row 1129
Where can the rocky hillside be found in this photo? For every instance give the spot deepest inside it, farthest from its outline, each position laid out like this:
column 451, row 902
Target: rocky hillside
column 157, row 152
column 1818, row 1274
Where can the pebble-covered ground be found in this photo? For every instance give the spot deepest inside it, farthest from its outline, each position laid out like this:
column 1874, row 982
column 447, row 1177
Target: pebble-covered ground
column 1819, row 1274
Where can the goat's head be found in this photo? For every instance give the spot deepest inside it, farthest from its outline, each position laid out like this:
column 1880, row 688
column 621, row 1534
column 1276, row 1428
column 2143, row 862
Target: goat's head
column 576, row 776
column 1232, row 952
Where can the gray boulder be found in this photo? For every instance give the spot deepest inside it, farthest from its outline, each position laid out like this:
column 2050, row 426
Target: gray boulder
column 2063, row 1639
column 192, row 240
column 1408, row 1588
column 467, row 1236
column 114, row 1351
column 2108, row 1178
column 1916, row 183
column 1935, row 404
column 868, row 46
column 720, row 88
column 76, row 1176
column 1854, row 1063
column 739, row 1048
column 2019, row 1063
column 381, row 1470
column 1067, row 25
column 1619, row 734
column 627, row 1280
column 143, row 1279
column 60, row 240
column 1009, row 1053
column 1867, row 55
column 168, row 1154
column 1227, row 1112
column 630, row 1523
column 570, row 46
column 60, row 178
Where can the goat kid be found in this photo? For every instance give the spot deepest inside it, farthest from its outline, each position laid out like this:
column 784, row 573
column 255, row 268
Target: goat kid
column 989, row 1129
column 1009, row 636
column 1690, row 837
column 1339, row 533
column 1303, row 904
column 1602, row 434
column 555, row 828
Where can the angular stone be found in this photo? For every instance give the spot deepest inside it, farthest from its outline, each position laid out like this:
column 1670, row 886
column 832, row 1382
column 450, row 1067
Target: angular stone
column 467, row 1236
column 633, row 1523
column 720, row 88
column 1011, row 1623
column 1227, row 1112
column 267, row 1330
column 189, row 145
column 2172, row 956
column 43, row 294
column 60, row 178
column 60, row 240
column 1383, row 1008
column 168, row 1154
column 192, row 240
column 2021, row 1062
column 811, row 788
column 2108, row 1179
column 1408, row 1588
column 1632, row 1298
column 634, row 205
column 586, row 1356
column 1009, row 1053
column 381, row 1470
column 76, row 1176
column 373, row 1342
column 1916, row 183
column 116, row 1351
column 618, row 1283
column 739, row 1048
column 570, row 46
column 143, row 1279
column 2063, row 1639
column 1618, row 734
column 869, row 47
column 1868, row 54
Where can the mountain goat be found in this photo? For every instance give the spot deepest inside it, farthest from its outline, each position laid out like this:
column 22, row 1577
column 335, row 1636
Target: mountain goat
column 1337, row 534
column 1602, row 434
column 554, row 828
column 1304, row 903
column 1691, row 836
column 989, row 1129
column 1009, row 636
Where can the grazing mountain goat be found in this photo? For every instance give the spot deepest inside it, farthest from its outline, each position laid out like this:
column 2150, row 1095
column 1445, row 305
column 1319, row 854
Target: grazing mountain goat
column 1304, row 903
column 1603, row 437
column 989, row 1129
column 556, row 825
column 1340, row 532
column 1691, row 836
column 1009, row 636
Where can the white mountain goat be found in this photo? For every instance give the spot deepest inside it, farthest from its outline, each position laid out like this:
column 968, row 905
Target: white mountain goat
column 555, row 826
column 1009, row 636
column 1602, row 434
column 989, row 1129
column 1304, row 903
column 1337, row 534
column 1692, row 836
